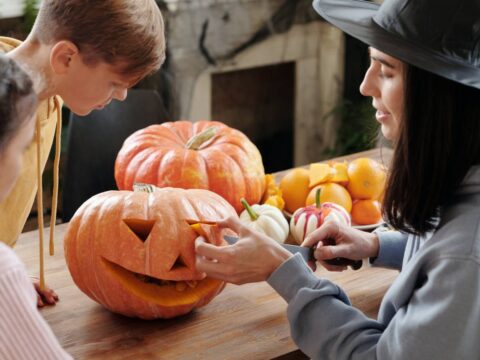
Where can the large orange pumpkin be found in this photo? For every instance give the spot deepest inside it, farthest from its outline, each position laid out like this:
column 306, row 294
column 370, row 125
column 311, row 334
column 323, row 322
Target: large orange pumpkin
column 202, row 155
column 133, row 252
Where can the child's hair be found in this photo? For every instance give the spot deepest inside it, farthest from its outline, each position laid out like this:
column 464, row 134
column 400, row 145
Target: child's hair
column 18, row 100
column 128, row 33
column 438, row 143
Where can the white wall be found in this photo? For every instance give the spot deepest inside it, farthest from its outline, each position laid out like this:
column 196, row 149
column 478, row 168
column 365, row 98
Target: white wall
column 11, row 8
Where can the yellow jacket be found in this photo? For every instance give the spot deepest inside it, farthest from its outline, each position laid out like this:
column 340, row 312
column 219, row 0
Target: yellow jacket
column 15, row 209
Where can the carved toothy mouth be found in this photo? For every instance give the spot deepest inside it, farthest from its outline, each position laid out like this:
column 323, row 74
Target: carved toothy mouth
column 179, row 285
column 162, row 292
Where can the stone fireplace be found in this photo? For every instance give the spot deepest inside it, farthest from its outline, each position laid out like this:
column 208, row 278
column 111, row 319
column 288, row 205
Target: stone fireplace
column 259, row 101
column 278, row 89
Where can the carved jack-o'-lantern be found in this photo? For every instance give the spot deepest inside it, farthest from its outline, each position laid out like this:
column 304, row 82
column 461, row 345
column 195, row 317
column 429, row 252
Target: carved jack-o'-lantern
column 133, row 252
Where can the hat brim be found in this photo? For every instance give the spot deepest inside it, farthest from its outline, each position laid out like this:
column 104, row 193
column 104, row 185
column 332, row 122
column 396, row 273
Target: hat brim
column 356, row 18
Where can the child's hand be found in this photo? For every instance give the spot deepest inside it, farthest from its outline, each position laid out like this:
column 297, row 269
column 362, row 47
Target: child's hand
column 46, row 296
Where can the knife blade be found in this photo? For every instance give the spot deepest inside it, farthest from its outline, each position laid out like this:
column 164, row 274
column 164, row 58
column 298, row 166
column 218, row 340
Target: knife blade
column 307, row 254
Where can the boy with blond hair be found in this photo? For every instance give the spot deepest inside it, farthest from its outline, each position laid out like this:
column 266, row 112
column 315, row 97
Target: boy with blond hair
column 83, row 53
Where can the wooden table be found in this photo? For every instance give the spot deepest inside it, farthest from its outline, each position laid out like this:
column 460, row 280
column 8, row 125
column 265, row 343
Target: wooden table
column 243, row 322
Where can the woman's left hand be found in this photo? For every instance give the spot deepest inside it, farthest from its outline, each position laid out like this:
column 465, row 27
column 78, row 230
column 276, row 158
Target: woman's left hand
column 46, row 296
column 252, row 258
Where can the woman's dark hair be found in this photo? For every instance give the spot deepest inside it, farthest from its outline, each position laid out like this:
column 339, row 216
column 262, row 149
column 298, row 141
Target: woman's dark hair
column 439, row 140
column 17, row 99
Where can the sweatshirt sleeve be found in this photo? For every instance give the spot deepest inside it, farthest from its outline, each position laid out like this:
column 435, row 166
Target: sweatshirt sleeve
column 322, row 322
column 440, row 320
column 24, row 334
column 391, row 249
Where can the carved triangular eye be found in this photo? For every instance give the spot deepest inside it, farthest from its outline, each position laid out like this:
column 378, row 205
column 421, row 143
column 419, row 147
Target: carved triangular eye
column 179, row 263
column 141, row 228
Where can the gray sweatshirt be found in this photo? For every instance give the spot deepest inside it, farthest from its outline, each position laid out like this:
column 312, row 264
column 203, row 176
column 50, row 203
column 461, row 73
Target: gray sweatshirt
column 431, row 311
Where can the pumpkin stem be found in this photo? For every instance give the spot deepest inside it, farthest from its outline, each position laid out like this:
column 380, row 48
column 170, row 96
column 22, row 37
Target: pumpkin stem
column 196, row 141
column 250, row 211
column 140, row 187
column 317, row 198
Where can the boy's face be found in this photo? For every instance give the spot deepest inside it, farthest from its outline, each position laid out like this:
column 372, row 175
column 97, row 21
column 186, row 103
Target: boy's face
column 11, row 156
column 91, row 87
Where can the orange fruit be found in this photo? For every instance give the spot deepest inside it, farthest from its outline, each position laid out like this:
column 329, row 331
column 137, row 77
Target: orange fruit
column 366, row 212
column 331, row 192
column 294, row 187
column 366, row 179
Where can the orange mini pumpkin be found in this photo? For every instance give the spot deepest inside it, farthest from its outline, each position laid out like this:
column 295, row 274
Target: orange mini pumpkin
column 202, row 155
column 133, row 252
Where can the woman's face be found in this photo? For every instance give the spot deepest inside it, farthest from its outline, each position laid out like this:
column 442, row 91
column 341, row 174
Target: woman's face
column 11, row 156
column 384, row 82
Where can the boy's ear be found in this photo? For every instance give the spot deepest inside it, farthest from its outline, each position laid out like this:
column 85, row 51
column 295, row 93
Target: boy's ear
column 62, row 56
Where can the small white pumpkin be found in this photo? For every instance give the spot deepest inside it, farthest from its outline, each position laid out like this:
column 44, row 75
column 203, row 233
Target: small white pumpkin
column 266, row 219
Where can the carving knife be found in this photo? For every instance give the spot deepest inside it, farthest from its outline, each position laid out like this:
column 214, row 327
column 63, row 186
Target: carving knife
column 307, row 254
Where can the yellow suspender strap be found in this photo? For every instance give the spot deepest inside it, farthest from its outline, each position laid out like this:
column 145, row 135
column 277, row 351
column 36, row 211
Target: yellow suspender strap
column 56, row 167
column 40, row 200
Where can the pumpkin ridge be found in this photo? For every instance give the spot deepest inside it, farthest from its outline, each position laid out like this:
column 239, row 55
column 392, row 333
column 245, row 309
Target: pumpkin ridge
column 171, row 210
column 126, row 177
column 113, row 234
column 161, row 135
column 235, row 144
column 179, row 131
column 192, row 175
column 159, row 158
column 70, row 242
column 193, row 206
column 169, row 179
column 186, row 254
column 94, row 249
column 237, row 184
column 103, row 217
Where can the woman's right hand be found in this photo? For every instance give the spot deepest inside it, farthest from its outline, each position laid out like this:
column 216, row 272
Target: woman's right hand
column 333, row 240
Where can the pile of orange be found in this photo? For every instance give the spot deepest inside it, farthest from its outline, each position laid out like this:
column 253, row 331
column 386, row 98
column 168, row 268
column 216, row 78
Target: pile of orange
column 358, row 186
column 294, row 187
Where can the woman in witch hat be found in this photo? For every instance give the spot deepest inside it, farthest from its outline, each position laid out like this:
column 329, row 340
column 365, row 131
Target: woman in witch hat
column 424, row 81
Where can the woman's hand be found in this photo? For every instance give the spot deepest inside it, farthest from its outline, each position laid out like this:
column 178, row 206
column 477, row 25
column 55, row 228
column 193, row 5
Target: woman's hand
column 253, row 258
column 334, row 240
column 46, row 296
